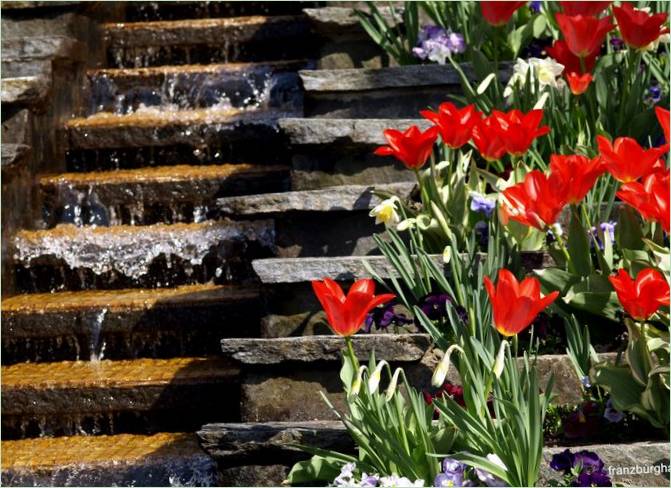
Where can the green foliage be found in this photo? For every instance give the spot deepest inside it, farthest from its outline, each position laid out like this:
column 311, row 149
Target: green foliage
column 397, row 40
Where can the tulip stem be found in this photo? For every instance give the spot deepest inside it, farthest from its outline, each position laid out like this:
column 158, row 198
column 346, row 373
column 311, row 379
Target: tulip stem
column 350, row 352
column 564, row 250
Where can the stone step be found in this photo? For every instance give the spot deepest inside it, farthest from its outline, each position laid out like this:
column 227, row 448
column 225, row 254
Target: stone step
column 109, row 397
column 254, row 453
column 42, row 48
column 331, row 221
column 175, row 9
column 252, row 38
column 76, row 258
column 155, row 127
column 187, row 320
column 366, row 92
column 328, row 152
column 240, row 85
column 24, row 90
column 163, row 194
column 278, row 375
column 292, row 308
column 13, row 155
column 164, row 459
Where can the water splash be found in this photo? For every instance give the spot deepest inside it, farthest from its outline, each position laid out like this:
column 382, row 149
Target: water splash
column 97, row 345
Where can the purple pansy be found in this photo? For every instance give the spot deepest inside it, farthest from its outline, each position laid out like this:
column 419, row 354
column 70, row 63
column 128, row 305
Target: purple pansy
column 611, row 414
column 479, row 203
column 436, row 44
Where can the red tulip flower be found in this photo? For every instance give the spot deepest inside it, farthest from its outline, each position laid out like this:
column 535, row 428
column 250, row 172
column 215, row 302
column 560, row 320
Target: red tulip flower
column 584, row 34
column 515, row 305
column 575, row 174
column 578, row 84
column 560, row 52
column 641, row 297
column 652, row 198
column 583, row 8
column 639, row 28
column 519, row 130
column 412, row 147
column 346, row 314
column 499, row 13
column 626, row 160
column 488, row 139
column 455, row 125
column 535, row 202
column 663, row 118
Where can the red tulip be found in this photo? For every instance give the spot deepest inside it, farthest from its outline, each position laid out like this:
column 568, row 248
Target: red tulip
column 663, row 118
column 498, row 13
column 641, row 297
column 346, row 314
column 584, row 34
column 639, row 28
column 575, row 174
column 488, row 139
column 652, row 198
column 578, row 84
column 535, row 202
column 626, row 160
column 563, row 55
column 412, row 147
column 455, row 125
column 515, row 305
column 519, row 130
column 583, row 8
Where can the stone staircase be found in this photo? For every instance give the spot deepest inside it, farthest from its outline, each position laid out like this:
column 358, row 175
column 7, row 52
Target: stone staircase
column 216, row 159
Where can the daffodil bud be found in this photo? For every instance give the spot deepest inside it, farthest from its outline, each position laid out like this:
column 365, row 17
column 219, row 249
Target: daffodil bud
column 447, row 254
column 443, row 367
column 500, row 359
column 406, row 224
column 391, row 389
column 374, row 380
column 541, row 101
column 356, row 385
column 482, row 87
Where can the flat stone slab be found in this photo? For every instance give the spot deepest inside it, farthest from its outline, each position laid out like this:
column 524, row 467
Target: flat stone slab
column 349, row 131
column 163, row 459
column 161, row 128
column 280, row 394
column 348, row 268
column 24, row 90
column 205, row 31
column 336, row 20
column 260, row 445
column 337, row 198
column 396, row 347
column 13, row 155
column 361, row 79
column 43, row 47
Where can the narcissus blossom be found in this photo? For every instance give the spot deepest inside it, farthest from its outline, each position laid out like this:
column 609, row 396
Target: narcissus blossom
column 583, row 34
column 652, row 198
column 560, row 52
column 454, row 124
column 412, row 147
column 643, row 296
column 515, row 305
column 346, row 314
column 498, row 13
column 583, row 7
column 535, row 202
column 578, row 84
column 626, row 160
column 575, row 175
column 385, row 212
column 547, row 72
column 639, row 28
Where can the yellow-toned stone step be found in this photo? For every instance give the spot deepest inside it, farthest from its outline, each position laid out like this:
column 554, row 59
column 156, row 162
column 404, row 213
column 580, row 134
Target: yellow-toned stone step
column 163, row 194
column 142, row 395
column 127, row 323
column 162, row 459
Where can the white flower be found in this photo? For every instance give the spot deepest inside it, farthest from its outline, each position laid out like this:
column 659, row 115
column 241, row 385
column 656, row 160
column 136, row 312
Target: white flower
column 391, row 389
column 356, row 384
column 500, row 359
column 443, row 367
column 385, row 212
column 374, row 380
column 406, row 224
column 399, row 482
column 482, row 87
column 346, row 476
column 546, row 71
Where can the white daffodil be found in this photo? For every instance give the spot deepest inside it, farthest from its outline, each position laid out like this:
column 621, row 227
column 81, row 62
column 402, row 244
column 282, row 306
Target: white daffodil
column 443, row 367
column 482, row 87
column 356, row 384
column 376, row 375
column 500, row 359
column 385, row 212
column 391, row 389
column 546, row 71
